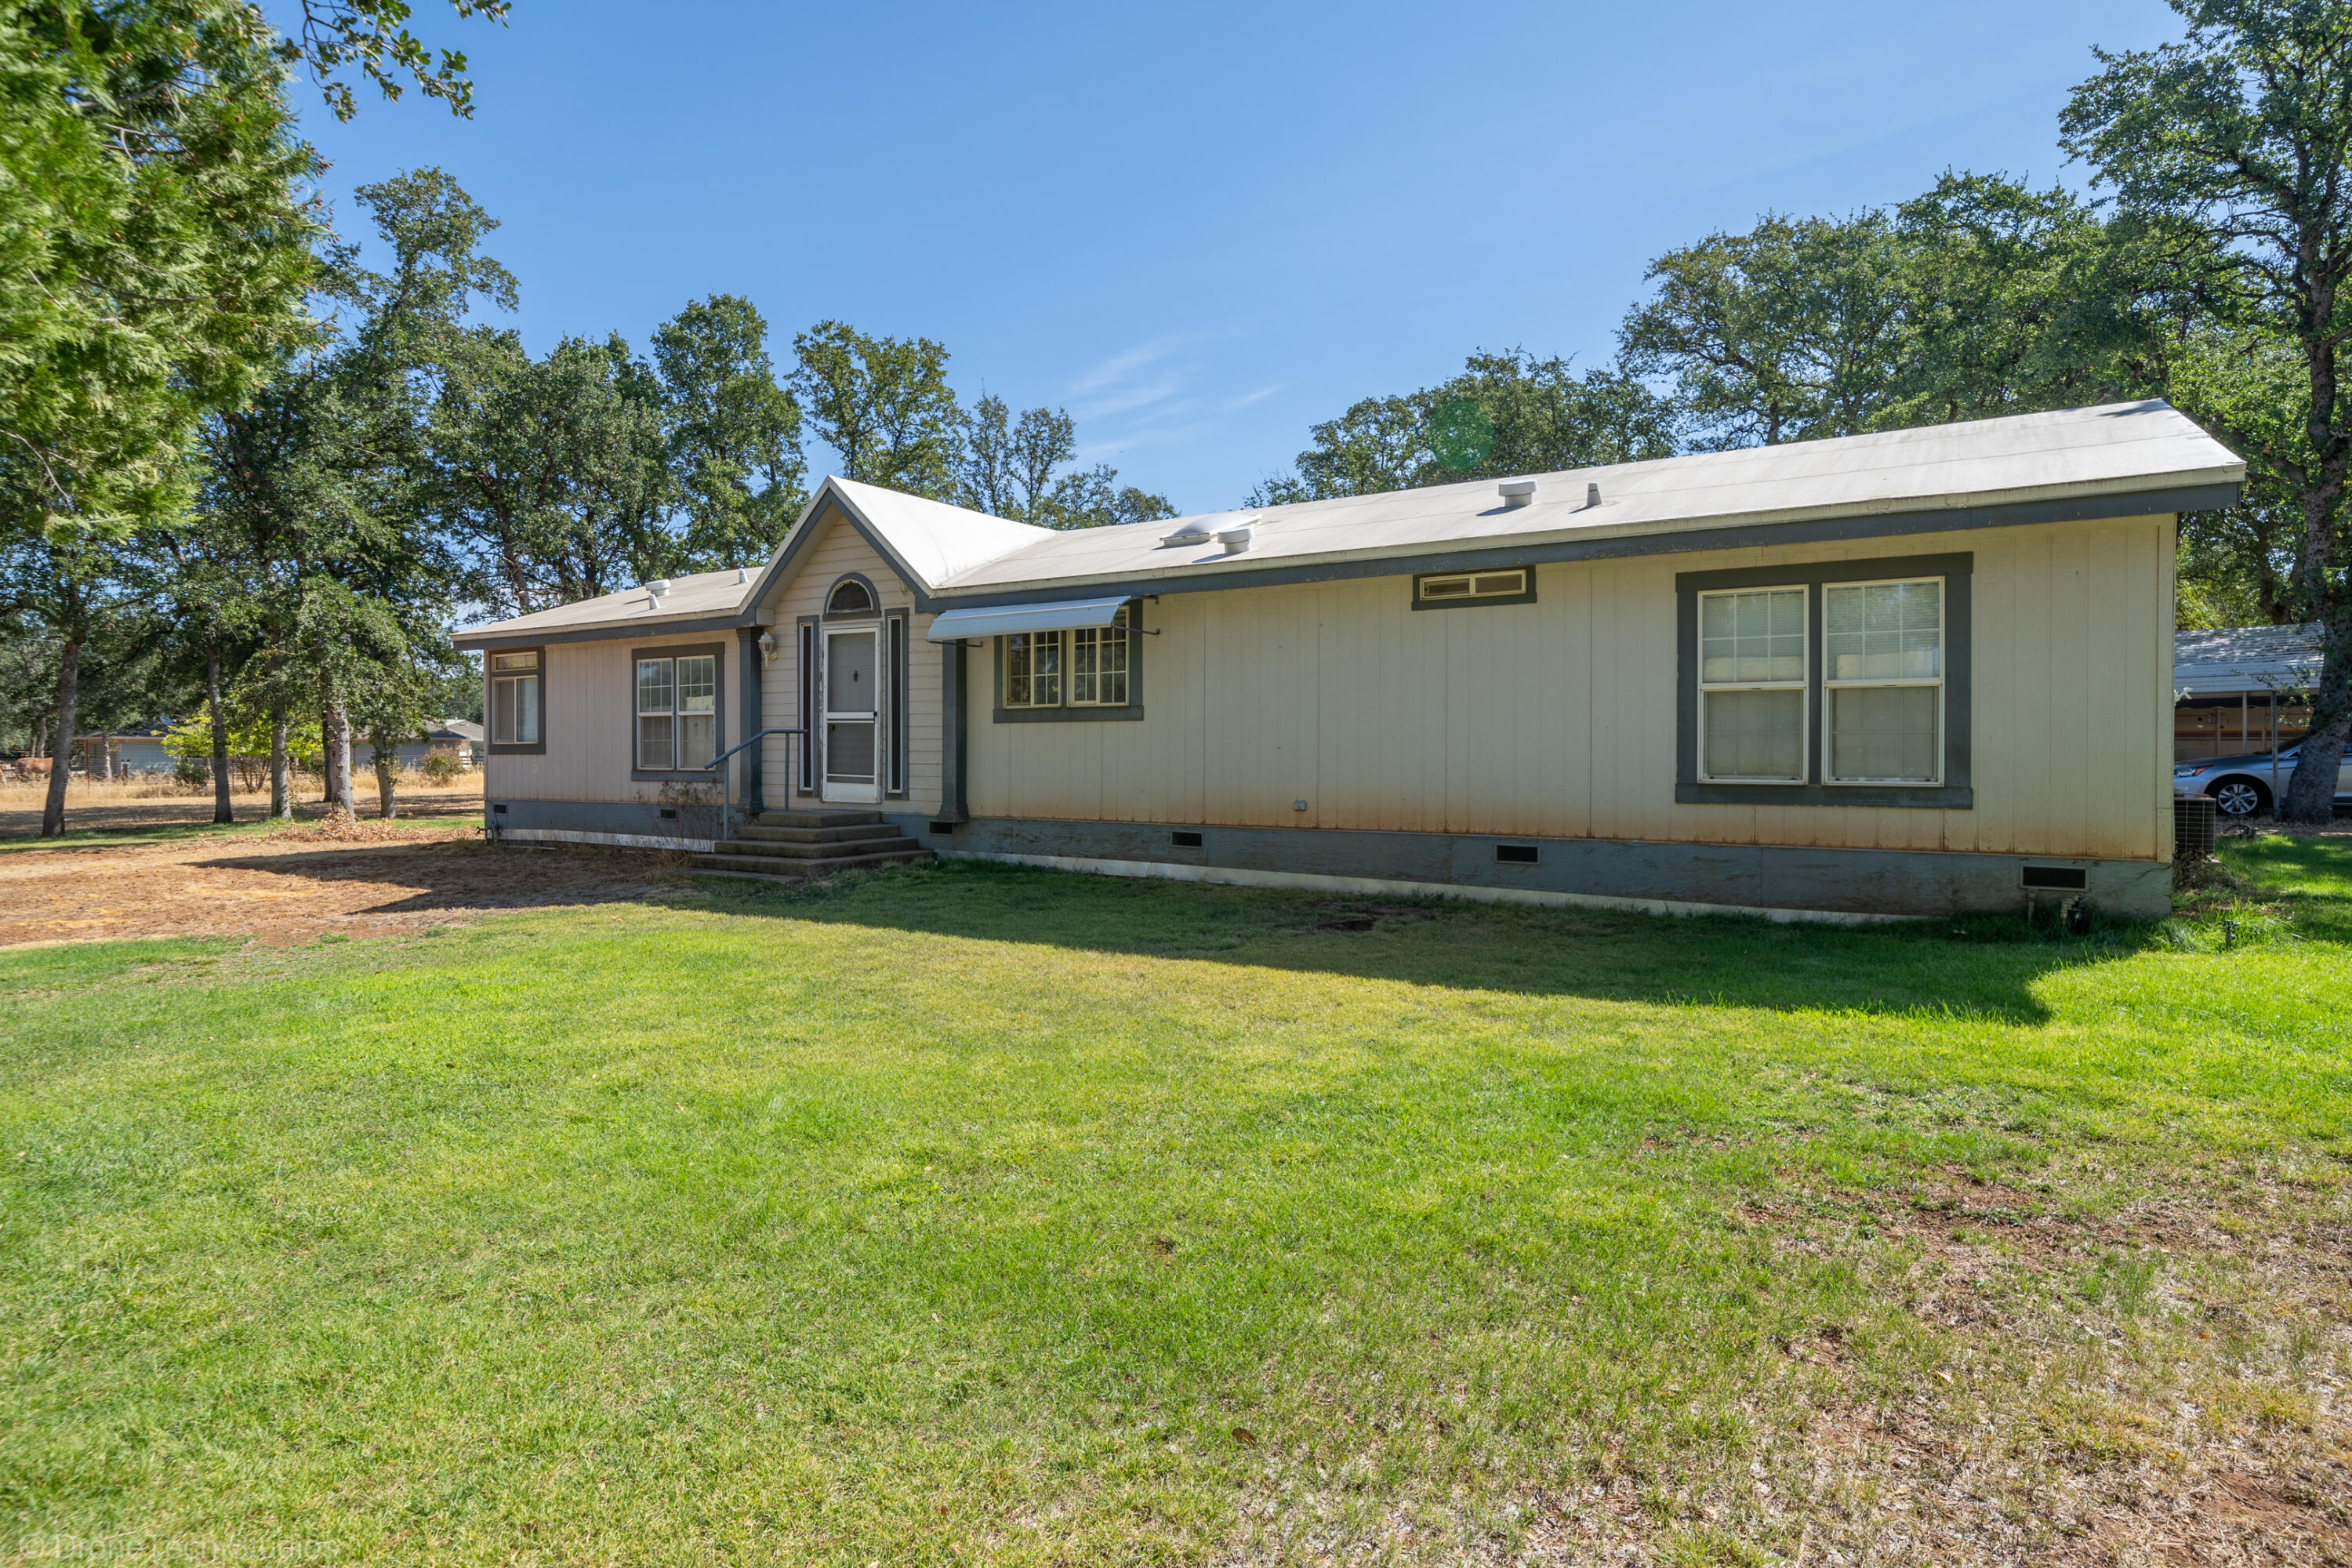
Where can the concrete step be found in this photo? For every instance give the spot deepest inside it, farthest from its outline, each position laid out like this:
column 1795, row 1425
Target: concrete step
column 842, row 834
column 818, row 818
column 768, row 867
column 887, row 843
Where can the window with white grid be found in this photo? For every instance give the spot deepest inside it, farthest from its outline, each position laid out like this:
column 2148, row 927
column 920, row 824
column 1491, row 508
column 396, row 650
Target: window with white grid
column 1098, row 663
column 1882, row 679
column 1033, row 669
column 1751, row 686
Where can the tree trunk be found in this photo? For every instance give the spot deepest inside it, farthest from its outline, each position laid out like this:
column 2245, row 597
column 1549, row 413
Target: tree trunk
column 282, row 786
column 386, row 758
column 221, row 811
column 53, row 810
column 338, row 727
column 2311, row 791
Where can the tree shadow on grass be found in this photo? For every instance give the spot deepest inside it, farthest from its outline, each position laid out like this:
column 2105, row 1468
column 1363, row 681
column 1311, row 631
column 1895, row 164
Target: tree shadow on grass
column 1983, row 966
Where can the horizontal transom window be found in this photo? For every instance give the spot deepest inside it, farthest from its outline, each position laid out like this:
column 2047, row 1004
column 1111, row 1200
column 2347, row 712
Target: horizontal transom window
column 1463, row 587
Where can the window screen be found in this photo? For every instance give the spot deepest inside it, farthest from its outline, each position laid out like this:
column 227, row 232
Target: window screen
column 1752, row 685
column 514, row 698
column 1883, row 658
column 656, row 714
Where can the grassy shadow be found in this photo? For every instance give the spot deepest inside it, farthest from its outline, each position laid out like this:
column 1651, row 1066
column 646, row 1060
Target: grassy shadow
column 1972, row 966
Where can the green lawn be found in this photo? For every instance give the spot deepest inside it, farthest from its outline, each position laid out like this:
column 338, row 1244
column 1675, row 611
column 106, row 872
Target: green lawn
column 968, row 1213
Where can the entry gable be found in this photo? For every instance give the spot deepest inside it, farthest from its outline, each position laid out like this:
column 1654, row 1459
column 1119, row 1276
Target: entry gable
column 919, row 543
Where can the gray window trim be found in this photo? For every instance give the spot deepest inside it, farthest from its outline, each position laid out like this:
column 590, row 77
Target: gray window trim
column 873, row 597
column 512, row 749
column 1066, row 713
column 807, row 629
column 1957, row 791
column 718, row 654
column 1493, row 601
column 897, row 659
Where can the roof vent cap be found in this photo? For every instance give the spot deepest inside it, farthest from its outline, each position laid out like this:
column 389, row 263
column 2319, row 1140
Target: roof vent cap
column 1193, row 531
column 658, row 587
column 1236, row 539
column 1593, row 494
column 1517, row 492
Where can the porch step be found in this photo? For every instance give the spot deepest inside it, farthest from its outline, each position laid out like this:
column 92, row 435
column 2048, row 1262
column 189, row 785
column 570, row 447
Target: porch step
column 789, row 868
column 760, row 832
column 818, row 818
column 884, row 840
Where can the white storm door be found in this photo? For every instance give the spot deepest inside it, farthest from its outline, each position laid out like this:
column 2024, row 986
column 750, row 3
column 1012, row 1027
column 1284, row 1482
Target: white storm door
column 853, row 712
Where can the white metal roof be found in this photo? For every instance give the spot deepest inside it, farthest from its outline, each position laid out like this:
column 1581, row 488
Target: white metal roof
column 932, row 540
column 2115, row 449
column 694, row 597
column 2245, row 658
column 950, row 552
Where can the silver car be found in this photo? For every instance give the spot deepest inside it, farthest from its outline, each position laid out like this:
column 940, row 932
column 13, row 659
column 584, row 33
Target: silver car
column 2245, row 785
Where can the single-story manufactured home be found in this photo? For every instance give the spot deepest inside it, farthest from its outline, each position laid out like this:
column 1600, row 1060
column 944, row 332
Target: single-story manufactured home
column 1909, row 673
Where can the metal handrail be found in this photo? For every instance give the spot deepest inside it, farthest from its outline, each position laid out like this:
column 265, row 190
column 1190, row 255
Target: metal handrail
column 726, row 781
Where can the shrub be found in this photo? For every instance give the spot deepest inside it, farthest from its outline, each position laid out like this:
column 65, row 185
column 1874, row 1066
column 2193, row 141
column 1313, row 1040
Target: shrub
column 440, row 767
column 197, row 772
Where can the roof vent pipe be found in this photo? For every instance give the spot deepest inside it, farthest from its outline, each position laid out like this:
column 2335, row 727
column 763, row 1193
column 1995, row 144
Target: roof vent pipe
column 1235, row 540
column 1592, row 495
column 742, row 575
column 1517, row 492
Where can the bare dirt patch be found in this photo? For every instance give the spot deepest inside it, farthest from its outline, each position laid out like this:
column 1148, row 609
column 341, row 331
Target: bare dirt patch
column 301, row 882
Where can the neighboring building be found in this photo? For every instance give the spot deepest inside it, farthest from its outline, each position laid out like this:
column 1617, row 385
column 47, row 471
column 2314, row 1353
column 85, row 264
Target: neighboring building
column 2242, row 688
column 459, row 737
column 1896, row 674
column 125, row 752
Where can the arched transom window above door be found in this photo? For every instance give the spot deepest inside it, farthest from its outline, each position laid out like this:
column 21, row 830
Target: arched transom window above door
column 853, row 595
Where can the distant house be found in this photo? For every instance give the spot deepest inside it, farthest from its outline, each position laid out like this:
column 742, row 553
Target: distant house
column 1906, row 673
column 125, row 752
column 2242, row 688
column 459, row 738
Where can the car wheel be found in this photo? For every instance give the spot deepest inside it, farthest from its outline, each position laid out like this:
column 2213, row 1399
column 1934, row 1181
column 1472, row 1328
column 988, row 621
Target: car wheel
column 2239, row 797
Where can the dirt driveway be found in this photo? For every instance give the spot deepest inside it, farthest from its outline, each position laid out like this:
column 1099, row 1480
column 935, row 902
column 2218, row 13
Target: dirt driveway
column 294, row 884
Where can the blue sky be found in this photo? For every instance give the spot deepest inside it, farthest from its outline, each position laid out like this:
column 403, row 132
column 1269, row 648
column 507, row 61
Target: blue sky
column 1200, row 229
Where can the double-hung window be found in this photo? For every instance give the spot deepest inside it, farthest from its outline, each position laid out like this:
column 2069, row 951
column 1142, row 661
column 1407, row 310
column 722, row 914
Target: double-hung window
column 1826, row 683
column 678, row 712
column 1751, row 686
column 514, row 698
column 1882, row 652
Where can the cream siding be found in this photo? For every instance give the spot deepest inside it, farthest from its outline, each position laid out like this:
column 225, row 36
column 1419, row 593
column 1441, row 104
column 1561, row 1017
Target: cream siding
column 837, row 551
column 588, row 716
column 1558, row 719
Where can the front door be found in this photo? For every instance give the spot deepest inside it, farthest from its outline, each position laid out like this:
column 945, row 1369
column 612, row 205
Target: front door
column 852, row 714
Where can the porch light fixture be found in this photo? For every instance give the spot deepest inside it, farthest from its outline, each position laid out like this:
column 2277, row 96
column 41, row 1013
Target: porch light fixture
column 768, row 645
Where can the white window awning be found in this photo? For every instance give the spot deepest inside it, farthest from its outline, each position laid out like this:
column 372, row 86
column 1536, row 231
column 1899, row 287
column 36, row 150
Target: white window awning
column 1061, row 615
